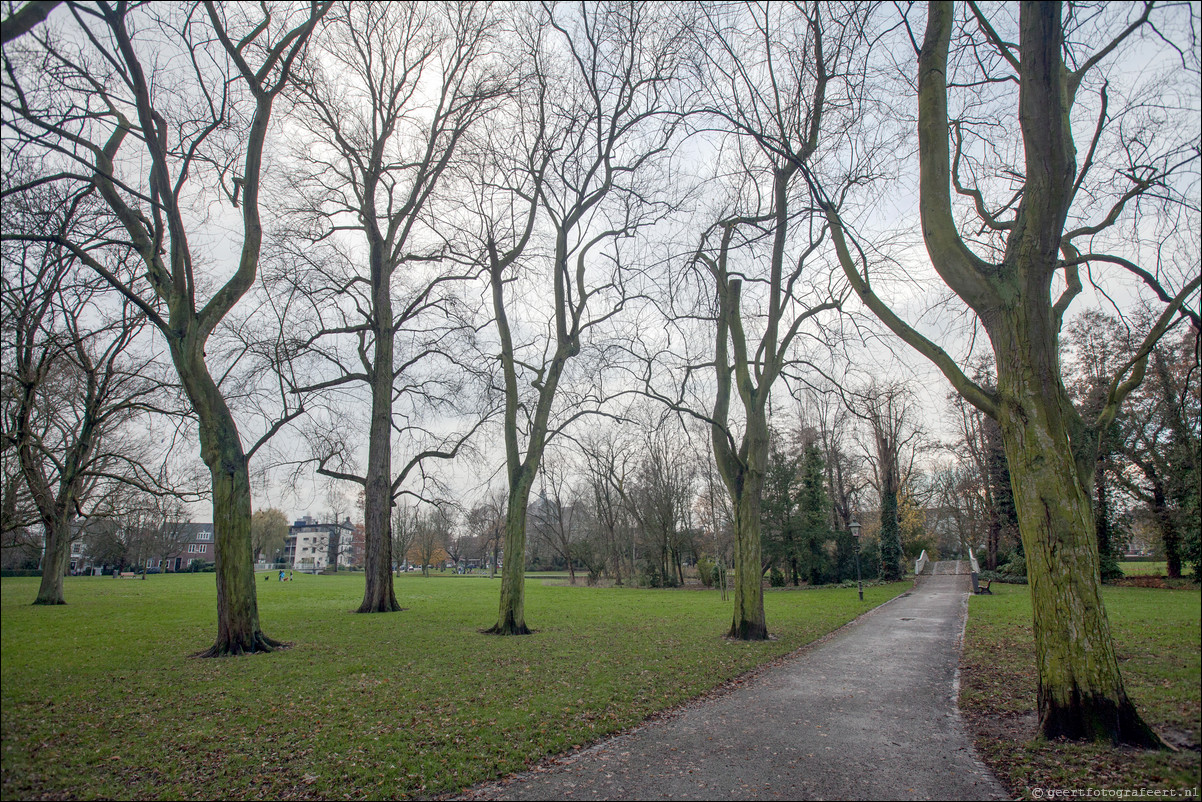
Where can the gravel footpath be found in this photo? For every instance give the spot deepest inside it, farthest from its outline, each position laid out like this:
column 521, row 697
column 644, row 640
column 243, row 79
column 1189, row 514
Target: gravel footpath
column 868, row 714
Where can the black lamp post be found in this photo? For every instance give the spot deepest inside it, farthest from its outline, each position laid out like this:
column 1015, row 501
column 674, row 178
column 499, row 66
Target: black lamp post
column 854, row 526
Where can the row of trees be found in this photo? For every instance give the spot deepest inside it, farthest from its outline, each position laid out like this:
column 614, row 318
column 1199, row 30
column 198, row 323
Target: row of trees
column 534, row 210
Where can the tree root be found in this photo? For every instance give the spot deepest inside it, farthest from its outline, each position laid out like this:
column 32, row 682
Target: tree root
column 387, row 606
column 509, row 629
column 1096, row 718
column 258, row 643
column 745, row 630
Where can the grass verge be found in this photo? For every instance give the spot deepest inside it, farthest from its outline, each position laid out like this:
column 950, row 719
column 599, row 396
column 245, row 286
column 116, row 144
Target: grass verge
column 1157, row 636
column 100, row 699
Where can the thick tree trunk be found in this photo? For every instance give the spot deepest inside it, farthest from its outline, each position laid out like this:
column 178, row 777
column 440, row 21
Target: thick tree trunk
column 749, row 622
column 1081, row 694
column 238, row 629
column 379, row 595
column 511, row 617
column 746, row 496
column 54, row 561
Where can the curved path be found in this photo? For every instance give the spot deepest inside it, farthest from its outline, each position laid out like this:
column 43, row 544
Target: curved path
column 868, row 714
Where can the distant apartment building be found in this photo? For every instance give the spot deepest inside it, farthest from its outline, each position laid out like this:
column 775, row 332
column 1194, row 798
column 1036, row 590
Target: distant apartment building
column 307, row 547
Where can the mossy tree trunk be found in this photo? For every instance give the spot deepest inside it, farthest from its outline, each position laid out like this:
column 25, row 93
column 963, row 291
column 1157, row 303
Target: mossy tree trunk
column 54, row 561
column 890, row 547
column 511, row 613
column 159, row 238
column 743, row 465
column 523, row 468
column 1080, row 690
column 1050, row 449
column 60, row 342
column 746, row 488
column 238, row 630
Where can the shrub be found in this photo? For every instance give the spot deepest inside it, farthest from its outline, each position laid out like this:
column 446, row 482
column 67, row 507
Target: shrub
column 650, row 575
column 1015, row 566
column 776, row 578
column 705, row 571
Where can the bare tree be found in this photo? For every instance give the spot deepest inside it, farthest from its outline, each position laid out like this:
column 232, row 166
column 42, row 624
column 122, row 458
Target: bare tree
column 26, row 18
column 660, row 496
column 486, row 522
column 609, row 465
column 170, row 530
column 72, row 377
column 430, row 531
column 588, row 130
column 890, row 411
column 779, row 80
column 390, row 105
column 1160, row 438
column 404, row 531
column 825, row 412
column 1037, row 226
column 100, row 103
column 268, row 531
column 556, row 515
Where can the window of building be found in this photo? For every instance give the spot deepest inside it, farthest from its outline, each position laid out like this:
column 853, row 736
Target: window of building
column 204, row 536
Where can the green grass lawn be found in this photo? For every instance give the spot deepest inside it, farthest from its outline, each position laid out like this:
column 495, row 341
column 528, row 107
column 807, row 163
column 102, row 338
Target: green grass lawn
column 1157, row 634
column 1144, row 568
column 101, row 699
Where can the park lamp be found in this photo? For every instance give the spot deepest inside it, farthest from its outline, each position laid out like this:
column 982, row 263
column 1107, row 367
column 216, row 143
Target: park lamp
column 854, row 526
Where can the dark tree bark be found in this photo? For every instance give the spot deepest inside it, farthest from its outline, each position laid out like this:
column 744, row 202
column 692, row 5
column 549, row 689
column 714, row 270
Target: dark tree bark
column 25, row 19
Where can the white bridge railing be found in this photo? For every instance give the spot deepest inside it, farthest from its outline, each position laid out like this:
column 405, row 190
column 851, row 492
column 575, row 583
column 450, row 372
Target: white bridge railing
column 976, row 569
column 920, row 563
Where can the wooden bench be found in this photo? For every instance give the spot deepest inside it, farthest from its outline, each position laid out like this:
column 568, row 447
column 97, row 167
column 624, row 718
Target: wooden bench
column 128, row 575
column 979, row 587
